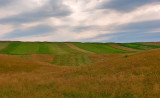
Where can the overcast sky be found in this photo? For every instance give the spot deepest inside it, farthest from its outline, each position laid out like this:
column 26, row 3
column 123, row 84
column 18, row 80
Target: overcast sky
column 80, row 20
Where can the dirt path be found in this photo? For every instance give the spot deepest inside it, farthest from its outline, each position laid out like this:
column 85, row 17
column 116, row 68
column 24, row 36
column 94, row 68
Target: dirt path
column 151, row 43
column 123, row 48
column 79, row 49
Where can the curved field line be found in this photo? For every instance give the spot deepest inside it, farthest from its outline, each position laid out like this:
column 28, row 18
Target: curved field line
column 3, row 45
column 151, row 43
column 79, row 49
column 123, row 48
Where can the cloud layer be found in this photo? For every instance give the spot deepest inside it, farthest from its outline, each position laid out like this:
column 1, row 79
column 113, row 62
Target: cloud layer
column 80, row 20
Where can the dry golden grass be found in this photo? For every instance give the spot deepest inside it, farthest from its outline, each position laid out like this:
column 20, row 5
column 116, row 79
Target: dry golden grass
column 123, row 48
column 96, row 58
column 132, row 76
column 42, row 58
column 15, row 64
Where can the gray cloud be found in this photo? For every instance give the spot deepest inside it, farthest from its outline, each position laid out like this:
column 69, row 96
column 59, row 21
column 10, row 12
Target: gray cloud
column 54, row 8
column 5, row 2
column 79, row 21
column 125, row 5
column 132, row 32
column 38, row 30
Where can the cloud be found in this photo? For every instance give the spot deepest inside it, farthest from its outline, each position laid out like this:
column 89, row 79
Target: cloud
column 37, row 30
column 35, row 11
column 154, row 31
column 12, row 8
column 5, row 2
column 5, row 29
column 125, row 5
column 77, row 20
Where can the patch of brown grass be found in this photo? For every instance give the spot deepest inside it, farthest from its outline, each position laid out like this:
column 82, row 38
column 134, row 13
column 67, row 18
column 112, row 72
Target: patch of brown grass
column 43, row 59
column 15, row 64
column 152, row 43
column 96, row 58
column 134, row 76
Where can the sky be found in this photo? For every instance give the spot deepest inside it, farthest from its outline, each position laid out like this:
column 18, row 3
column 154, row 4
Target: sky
column 80, row 20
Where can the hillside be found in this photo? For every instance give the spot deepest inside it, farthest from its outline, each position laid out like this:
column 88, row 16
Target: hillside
column 81, row 70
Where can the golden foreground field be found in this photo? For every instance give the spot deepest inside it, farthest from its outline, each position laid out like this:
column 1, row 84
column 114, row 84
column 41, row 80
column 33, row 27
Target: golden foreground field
column 135, row 75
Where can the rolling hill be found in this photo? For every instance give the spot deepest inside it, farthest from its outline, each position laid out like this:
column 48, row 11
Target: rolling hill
column 79, row 70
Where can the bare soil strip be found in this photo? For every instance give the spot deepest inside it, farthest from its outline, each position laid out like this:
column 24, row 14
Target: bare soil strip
column 152, row 43
column 79, row 49
column 123, row 48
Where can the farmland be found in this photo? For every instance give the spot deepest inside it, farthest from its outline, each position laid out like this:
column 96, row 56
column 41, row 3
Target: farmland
column 79, row 70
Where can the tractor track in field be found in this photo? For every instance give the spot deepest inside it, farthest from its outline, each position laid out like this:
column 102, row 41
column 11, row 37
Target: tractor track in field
column 123, row 48
column 151, row 43
column 79, row 49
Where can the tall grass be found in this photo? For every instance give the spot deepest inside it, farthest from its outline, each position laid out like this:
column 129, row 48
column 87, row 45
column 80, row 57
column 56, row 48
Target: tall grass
column 137, row 76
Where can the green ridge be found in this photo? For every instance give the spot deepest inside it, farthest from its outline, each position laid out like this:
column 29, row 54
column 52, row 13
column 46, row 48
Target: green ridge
column 9, row 48
column 99, row 48
column 72, row 60
column 62, row 49
column 64, row 55
column 138, row 46
column 44, row 48
column 3, row 45
column 26, row 48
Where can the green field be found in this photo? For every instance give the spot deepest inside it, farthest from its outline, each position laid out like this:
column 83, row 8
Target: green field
column 44, row 48
column 63, row 54
column 99, row 48
column 9, row 48
column 138, row 46
column 57, row 48
column 3, row 45
column 25, row 48
column 72, row 60
column 62, row 49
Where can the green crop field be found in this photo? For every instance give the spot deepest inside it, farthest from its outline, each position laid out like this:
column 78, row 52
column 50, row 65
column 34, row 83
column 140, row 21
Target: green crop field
column 138, row 46
column 62, row 49
column 44, row 48
column 9, row 48
column 63, row 54
column 72, row 60
column 25, row 48
column 3, row 45
column 99, row 48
